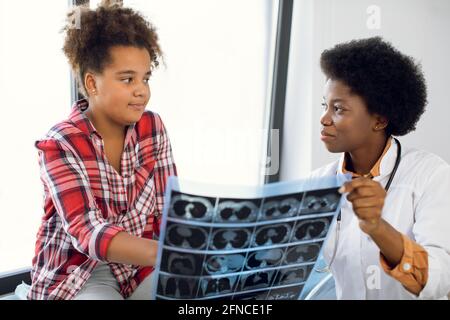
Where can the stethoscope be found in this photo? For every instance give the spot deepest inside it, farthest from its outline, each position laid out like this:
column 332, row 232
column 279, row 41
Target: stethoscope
column 338, row 219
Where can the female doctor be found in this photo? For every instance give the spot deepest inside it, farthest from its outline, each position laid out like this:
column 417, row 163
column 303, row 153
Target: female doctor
column 392, row 239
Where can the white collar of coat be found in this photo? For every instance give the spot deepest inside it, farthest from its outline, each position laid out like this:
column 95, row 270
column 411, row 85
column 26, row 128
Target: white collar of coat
column 387, row 162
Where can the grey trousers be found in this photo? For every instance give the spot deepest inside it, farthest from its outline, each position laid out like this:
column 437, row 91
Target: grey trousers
column 102, row 285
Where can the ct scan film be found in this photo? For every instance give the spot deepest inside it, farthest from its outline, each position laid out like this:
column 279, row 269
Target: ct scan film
column 243, row 243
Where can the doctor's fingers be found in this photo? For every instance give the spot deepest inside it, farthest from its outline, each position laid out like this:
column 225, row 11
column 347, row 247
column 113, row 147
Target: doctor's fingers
column 349, row 186
column 368, row 202
column 361, row 192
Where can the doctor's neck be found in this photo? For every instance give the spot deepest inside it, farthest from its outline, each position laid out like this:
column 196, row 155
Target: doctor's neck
column 362, row 159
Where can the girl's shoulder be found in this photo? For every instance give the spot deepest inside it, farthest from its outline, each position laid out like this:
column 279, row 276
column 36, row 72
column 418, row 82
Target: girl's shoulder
column 149, row 126
column 63, row 136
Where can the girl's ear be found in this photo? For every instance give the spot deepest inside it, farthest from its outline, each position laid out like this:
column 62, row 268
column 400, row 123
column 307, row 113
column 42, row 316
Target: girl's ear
column 90, row 84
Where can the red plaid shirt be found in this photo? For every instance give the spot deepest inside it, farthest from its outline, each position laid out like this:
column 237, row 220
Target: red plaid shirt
column 86, row 202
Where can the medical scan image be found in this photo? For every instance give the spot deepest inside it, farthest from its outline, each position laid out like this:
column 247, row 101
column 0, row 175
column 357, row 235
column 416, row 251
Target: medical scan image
column 249, row 248
column 320, row 201
column 236, row 210
column 189, row 207
column 281, row 206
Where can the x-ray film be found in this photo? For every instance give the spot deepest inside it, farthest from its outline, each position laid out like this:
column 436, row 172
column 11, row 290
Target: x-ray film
column 243, row 243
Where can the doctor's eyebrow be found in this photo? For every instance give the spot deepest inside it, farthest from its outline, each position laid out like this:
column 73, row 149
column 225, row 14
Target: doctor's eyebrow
column 335, row 100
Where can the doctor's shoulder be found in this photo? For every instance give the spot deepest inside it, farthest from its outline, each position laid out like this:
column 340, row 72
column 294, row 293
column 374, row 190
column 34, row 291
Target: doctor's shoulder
column 421, row 165
column 329, row 169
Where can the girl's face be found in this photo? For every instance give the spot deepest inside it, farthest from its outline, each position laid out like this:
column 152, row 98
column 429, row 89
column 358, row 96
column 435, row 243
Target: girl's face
column 122, row 89
column 346, row 122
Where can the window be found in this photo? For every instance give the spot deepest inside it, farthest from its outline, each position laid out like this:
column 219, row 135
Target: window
column 35, row 91
column 211, row 95
column 213, row 90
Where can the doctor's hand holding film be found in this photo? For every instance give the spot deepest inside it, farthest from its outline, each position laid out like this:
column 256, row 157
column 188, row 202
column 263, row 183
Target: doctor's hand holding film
column 367, row 197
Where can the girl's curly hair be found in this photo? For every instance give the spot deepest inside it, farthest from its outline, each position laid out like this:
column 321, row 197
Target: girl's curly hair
column 91, row 33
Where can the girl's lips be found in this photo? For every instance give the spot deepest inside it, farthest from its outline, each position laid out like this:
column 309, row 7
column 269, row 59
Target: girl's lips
column 136, row 107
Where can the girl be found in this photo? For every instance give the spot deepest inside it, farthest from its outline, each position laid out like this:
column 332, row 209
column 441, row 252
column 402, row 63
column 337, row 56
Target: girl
column 104, row 169
column 391, row 244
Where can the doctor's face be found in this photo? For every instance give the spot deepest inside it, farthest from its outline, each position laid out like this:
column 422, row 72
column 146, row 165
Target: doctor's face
column 346, row 123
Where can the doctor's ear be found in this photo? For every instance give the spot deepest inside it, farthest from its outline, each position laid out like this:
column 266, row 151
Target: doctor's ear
column 381, row 123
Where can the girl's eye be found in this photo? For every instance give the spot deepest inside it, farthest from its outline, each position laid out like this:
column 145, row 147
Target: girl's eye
column 127, row 80
column 324, row 106
column 146, row 80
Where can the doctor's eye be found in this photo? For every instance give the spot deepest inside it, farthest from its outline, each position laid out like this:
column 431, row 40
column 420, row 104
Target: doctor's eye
column 324, row 106
column 338, row 108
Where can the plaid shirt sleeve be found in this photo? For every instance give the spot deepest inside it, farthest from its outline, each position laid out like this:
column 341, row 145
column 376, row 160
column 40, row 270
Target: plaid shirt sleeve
column 67, row 184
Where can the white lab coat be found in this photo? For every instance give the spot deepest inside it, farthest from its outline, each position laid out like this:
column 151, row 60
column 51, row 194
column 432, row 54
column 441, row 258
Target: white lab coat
column 418, row 205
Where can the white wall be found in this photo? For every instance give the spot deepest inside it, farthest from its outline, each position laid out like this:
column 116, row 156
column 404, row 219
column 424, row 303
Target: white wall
column 418, row 28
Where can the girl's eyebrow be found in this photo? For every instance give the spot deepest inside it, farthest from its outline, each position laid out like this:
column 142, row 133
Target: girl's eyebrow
column 131, row 72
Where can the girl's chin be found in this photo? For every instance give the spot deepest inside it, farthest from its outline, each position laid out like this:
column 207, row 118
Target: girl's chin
column 132, row 119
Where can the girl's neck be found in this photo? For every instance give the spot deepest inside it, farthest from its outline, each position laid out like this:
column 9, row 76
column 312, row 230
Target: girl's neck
column 108, row 129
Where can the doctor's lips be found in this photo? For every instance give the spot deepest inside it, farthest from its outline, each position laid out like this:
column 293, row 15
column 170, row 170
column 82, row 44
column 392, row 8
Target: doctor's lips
column 326, row 136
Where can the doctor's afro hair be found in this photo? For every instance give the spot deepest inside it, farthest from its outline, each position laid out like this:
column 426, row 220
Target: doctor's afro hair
column 392, row 84
column 89, row 35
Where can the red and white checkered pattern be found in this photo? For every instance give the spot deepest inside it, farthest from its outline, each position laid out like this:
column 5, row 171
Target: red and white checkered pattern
column 86, row 202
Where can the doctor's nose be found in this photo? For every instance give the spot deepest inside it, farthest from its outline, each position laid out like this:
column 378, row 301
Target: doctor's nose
column 325, row 119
